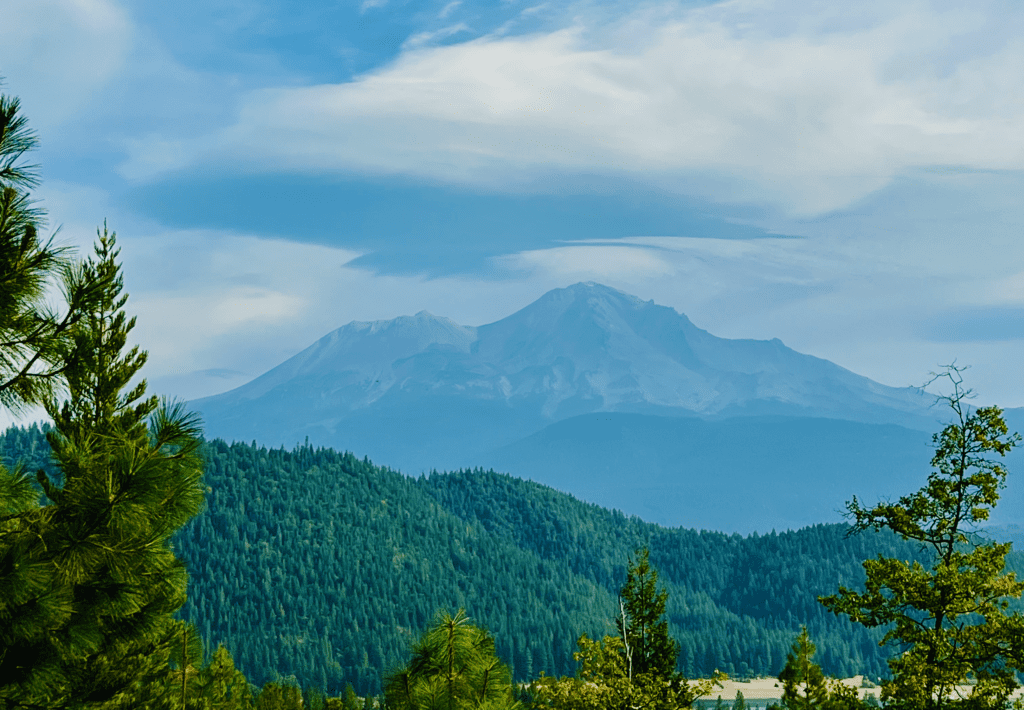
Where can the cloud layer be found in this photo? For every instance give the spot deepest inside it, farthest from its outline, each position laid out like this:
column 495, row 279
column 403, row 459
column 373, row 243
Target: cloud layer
column 777, row 102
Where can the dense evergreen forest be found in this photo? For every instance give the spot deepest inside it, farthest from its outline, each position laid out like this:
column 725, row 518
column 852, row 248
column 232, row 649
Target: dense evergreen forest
column 316, row 565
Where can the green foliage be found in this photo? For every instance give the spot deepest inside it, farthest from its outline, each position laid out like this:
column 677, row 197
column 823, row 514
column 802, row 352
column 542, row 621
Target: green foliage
column 844, row 697
column 950, row 614
column 36, row 341
column 647, row 647
column 453, row 667
column 221, row 686
column 740, row 702
column 732, row 599
column 279, row 696
column 635, row 668
column 350, row 700
column 278, row 572
column 601, row 662
column 805, row 687
column 803, row 683
column 96, row 580
column 602, row 682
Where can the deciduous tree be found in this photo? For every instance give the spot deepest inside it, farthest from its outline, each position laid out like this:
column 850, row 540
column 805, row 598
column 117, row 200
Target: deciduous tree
column 951, row 616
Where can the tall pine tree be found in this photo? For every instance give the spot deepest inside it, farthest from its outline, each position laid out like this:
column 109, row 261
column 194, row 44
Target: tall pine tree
column 106, row 580
column 648, row 648
column 35, row 339
column 804, row 685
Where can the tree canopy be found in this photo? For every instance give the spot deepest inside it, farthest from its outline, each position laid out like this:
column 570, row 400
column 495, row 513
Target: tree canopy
column 36, row 340
column 960, row 644
column 804, row 685
column 453, row 667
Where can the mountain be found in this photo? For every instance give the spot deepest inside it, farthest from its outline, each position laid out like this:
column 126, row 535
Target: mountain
column 423, row 392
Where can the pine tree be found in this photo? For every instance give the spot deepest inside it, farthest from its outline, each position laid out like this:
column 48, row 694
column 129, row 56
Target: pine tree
column 35, row 339
column 279, row 696
column 635, row 669
column 804, row 685
column 94, row 629
column 221, row 686
column 453, row 667
column 648, row 648
column 37, row 345
column 350, row 701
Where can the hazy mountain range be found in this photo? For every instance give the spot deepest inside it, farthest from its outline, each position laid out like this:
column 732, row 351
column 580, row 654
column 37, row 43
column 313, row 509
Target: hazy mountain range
column 619, row 401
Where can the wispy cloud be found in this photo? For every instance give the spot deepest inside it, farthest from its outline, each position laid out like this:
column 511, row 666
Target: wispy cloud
column 424, row 38
column 56, row 54
column 778, row 102
column 448, row 9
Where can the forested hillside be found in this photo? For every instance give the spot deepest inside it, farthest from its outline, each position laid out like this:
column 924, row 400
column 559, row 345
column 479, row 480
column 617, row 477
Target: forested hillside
column 315, row 564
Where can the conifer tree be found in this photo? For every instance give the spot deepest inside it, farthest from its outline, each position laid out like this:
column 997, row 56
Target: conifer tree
column 350, row 701
column 36, row 345
column 635, row 669
column 648, row 648
column 279, row 696
column 224, row 687
column 94, row 627
column 35, row 339
column 803, row 683
column 453, row 667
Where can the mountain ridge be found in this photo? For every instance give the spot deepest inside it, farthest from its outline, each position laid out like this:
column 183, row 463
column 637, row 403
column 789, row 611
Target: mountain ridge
column 585, row 346
column 423, row 392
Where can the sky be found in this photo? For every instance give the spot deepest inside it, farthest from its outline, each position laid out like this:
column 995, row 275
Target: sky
column 846, row 177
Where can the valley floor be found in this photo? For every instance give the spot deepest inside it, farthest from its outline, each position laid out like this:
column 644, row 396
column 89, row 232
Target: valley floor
column 759, row 693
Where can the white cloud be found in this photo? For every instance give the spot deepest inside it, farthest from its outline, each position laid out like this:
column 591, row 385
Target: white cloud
column 780, row 102
column 209, row 302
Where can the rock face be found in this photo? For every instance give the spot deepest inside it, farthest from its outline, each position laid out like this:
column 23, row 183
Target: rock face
column 423, row 392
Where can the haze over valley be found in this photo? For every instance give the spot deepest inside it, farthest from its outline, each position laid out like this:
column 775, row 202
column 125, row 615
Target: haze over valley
column 619, row 401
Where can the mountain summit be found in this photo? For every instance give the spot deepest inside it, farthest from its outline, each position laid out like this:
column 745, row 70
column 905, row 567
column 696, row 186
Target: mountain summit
column 427, row 384
column 589, row 347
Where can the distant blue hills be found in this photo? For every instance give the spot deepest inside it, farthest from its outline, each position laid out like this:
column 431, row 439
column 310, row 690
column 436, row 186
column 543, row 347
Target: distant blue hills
column 616, row 400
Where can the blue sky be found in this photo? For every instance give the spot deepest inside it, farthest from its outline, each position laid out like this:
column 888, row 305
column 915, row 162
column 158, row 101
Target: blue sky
column 844, row 176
